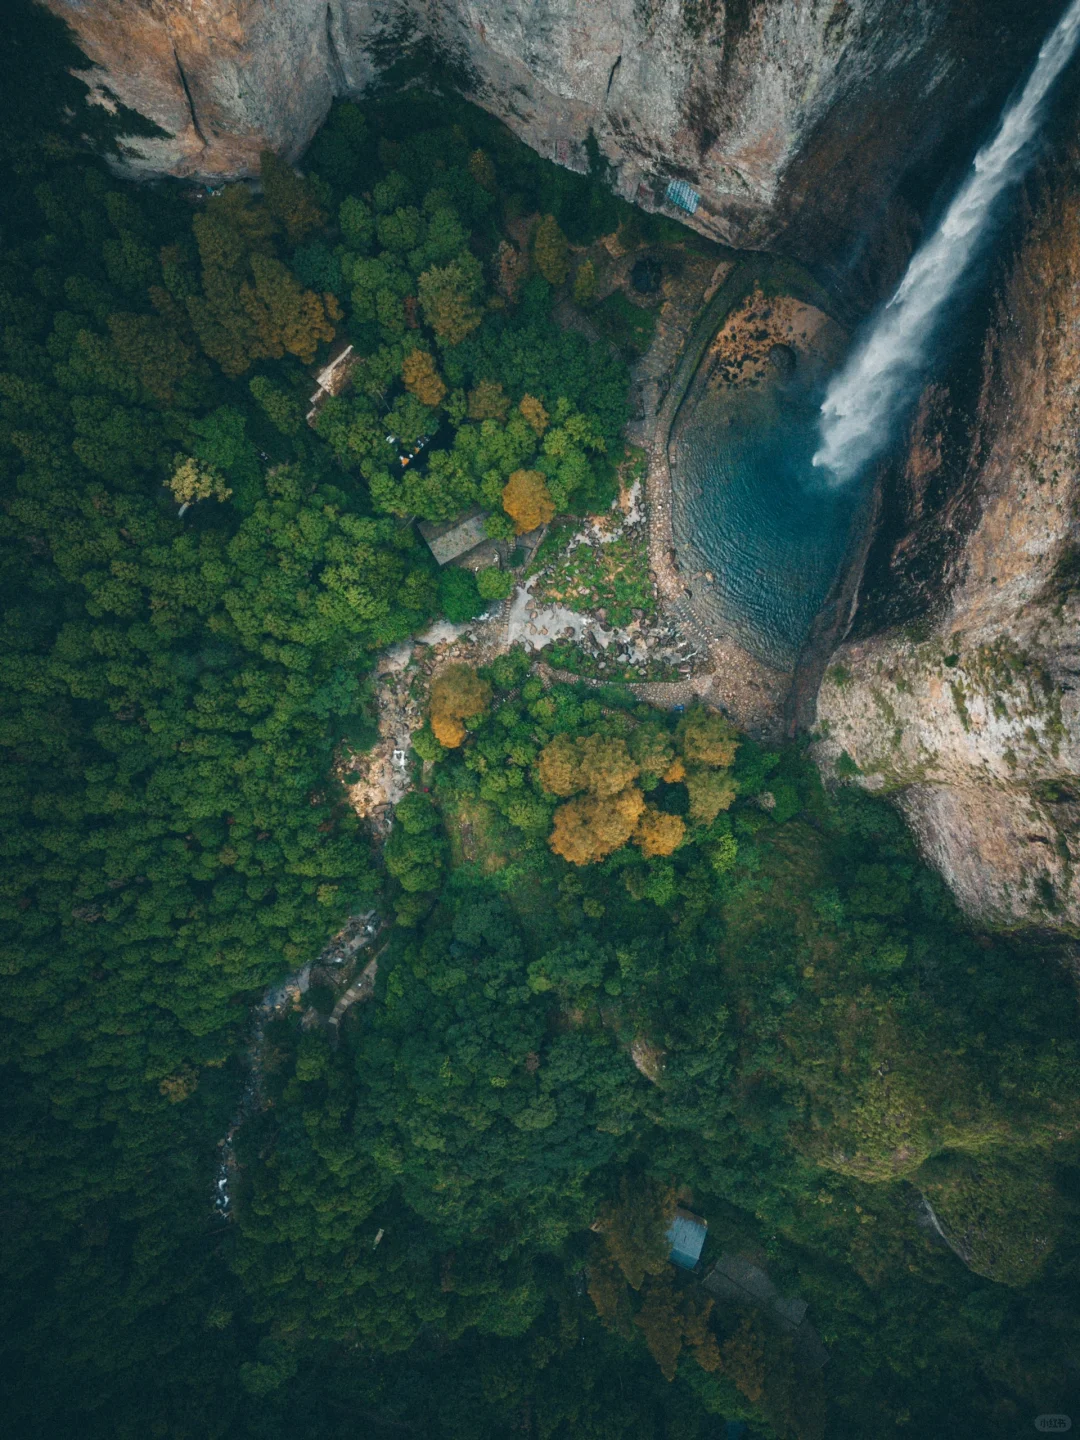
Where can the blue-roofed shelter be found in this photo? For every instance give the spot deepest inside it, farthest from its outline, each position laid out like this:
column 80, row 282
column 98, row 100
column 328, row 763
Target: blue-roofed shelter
column 683, row 195
column 686, row 1236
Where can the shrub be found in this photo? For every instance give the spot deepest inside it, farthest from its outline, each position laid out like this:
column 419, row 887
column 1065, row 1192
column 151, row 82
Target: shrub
column 494, row 584
column 459, row 597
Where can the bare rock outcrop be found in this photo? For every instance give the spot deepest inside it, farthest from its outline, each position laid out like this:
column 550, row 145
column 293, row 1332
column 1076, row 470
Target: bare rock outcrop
column 771, row 110
column 972, row 718
column 225, row 79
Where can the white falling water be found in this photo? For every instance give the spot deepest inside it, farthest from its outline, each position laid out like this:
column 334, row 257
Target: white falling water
column 864, row 399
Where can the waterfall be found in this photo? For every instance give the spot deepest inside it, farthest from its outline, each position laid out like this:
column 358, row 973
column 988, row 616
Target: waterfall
column 865, row 398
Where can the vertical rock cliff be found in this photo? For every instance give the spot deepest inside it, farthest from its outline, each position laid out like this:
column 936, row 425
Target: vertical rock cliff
column 970, row 711
column 224, row 79
column 773, row 110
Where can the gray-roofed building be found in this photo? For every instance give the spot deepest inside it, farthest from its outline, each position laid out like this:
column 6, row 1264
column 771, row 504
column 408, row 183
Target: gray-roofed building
column 686, row 1236
column 454, row 538
column 733, row 1277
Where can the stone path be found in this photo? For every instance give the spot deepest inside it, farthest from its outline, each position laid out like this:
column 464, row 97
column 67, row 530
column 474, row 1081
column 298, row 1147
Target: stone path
column 362, row 988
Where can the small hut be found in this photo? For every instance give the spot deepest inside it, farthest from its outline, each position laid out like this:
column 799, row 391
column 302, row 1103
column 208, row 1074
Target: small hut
column 686, row 1236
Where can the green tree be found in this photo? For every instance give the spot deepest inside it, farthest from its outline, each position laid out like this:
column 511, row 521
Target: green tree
column 550, row 251
column 585, row 283
column 289, row 198
column 160, row 358
column 283, row 411
column 415, row 851
column 447, row 295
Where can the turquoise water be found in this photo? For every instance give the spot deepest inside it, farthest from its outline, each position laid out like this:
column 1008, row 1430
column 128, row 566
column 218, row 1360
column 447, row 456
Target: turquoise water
column 748, row 505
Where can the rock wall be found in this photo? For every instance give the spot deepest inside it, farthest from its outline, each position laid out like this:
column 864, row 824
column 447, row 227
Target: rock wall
column 774, row 110
column 225, row 79
column 970, row 712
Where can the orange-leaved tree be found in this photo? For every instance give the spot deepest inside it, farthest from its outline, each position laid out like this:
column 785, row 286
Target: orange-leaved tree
column 612, row 810
column 634, row 1228
column 604, row 818
column 527, row 500
column 457, row 694
column 534, row 412
column 286, row 317
column 659, row 833
column 744, row 1360
column 673, row 1317
column 588, row 828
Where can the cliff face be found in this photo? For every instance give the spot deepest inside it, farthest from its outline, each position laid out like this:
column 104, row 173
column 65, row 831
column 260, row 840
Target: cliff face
column 973, row 717
column 227, row 78
column 772, row 109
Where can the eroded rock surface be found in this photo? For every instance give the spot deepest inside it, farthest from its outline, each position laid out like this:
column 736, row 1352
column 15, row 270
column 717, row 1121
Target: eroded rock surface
column 770, row 109
column 971, row 711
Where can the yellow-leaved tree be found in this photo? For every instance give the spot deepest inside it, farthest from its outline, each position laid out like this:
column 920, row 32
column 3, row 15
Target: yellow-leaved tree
column 588, row 828
column 602, row 819
column 192, row 481
column 527, row 500
column 659, row 833
column 422, row 378
column 457, row 694
column 707, row 738
column 710, row 792
column 534, row 412
column 708, row 742
column 550, row 251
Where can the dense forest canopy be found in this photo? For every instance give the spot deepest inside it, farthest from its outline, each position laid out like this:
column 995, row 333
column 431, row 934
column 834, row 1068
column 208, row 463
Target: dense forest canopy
column 631, row 959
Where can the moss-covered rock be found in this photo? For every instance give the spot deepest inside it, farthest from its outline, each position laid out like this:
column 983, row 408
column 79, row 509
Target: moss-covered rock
column 1000, row 1212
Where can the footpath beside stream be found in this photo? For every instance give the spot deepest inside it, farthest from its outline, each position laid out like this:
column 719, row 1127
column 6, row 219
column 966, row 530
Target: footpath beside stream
column 337, row 959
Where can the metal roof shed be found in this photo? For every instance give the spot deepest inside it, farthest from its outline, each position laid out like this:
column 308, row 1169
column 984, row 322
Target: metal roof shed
column 686, row 1236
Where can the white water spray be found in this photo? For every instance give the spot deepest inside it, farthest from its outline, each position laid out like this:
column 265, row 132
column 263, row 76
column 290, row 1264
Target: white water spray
column 864, row 399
